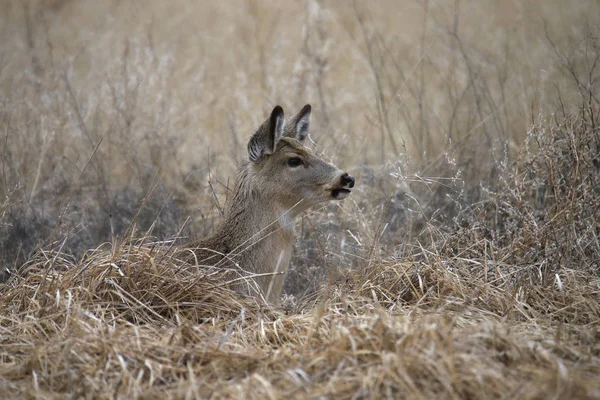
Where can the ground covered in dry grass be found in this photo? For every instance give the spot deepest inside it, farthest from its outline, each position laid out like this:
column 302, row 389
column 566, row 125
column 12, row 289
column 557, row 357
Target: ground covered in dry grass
column 465, row 264
column 505, row 306
column 128, row 322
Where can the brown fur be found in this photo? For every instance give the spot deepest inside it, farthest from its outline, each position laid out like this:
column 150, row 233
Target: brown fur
column 258, row 233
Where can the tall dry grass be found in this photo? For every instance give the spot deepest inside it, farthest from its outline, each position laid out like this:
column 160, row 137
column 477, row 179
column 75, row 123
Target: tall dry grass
column 465, row 265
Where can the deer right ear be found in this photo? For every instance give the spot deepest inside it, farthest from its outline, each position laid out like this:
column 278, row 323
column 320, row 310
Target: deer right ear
column 297, row 126
column 265, row 140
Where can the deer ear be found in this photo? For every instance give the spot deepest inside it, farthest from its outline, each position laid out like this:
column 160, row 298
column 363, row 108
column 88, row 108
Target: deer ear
column 265, row 140
column 297, row 127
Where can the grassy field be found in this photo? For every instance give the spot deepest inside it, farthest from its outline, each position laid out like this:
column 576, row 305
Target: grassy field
column 465, row 264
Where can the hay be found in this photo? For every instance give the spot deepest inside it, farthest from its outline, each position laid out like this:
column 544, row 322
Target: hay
column 128, row 321
column 464, row 265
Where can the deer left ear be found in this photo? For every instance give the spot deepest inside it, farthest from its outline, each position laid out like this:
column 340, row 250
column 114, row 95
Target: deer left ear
column 297, row 127
column 265, row 140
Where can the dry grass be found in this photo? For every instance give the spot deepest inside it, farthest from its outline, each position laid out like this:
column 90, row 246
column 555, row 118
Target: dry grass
column 464, row 265
column 127, row 322
column 493, row 310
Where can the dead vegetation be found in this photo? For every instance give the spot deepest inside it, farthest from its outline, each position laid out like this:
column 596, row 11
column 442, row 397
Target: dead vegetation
column 505, row 307
column 464, row 265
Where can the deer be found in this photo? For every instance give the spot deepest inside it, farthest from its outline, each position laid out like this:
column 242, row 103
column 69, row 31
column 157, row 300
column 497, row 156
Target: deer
column 280, row 179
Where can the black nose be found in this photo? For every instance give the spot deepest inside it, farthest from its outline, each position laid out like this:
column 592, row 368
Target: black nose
column 347, row 180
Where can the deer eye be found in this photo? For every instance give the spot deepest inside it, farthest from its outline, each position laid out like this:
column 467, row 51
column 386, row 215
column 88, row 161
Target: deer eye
column 294, row 162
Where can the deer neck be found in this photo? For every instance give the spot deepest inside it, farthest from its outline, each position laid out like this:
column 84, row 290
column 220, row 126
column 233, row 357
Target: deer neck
column 257, row 232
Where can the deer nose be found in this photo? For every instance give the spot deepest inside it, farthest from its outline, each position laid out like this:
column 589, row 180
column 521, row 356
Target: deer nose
column 347, row 180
